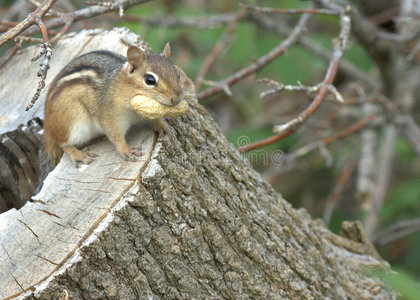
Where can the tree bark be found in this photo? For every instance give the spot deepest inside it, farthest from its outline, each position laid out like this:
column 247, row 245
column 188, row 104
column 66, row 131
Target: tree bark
column 192, row 220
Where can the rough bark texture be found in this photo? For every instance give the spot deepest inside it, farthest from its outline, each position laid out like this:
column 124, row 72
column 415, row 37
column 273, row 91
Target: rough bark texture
column 202, row 224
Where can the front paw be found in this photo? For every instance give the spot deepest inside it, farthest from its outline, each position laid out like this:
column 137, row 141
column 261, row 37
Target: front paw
column 86, row 157
column 133, row 154
column 163, row 130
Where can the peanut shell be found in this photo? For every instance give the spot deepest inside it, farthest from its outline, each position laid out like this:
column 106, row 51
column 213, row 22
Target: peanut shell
column 151, row 109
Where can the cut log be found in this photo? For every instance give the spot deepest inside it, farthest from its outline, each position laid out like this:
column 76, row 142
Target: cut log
column 20, row 130
column 191, row 220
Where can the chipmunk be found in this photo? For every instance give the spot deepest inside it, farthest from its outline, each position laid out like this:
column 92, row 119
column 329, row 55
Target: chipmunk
column 91, row 96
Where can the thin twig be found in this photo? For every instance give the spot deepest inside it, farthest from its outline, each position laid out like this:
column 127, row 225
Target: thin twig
column 60, row 19
column 412, row 131
column 384, row 16
column 333, row 138
column 46, row 52
column 346, row 67
column 283, row 131
column 27, row 39
column 397, row 231
column 259, row 63
column 414, row 51
column 350, row 130
column 333, row 198
column 31, row 19
column 113, row 5
column 6, row 25
column 45, row 65
column 366, row 171
column 9, row 54
column 382, row 183
column 197, row 22
column 381, row 51
column 279, row 87
column 218, row 48
column 63, row 31
column 270, row 10
column 50, row 12
column 81, row 14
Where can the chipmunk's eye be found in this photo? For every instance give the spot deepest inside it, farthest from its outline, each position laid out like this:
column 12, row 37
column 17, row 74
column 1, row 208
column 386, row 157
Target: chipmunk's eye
column 149, row 79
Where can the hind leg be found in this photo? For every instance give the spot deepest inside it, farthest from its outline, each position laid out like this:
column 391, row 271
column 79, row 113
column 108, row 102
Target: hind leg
column 79, row 157
column 128, row 153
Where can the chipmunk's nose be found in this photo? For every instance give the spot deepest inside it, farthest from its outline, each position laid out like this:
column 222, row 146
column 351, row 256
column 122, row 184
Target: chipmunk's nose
column 175, row 100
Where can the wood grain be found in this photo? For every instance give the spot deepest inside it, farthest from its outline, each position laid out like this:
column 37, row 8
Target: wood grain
column 20, row 130
column 18, row 79
column 40, row 237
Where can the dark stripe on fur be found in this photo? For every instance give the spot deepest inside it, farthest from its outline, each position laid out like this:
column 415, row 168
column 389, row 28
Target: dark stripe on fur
column 82, row 67
column 85, row 80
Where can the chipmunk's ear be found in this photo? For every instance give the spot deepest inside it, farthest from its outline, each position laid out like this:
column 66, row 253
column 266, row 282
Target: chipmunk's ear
column 167, row 51
column 135, row 57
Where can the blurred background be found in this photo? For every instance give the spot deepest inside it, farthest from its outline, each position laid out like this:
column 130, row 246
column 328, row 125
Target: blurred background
column 328, row 167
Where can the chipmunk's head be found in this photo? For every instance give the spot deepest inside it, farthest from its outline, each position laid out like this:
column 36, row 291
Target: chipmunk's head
column 154, row 75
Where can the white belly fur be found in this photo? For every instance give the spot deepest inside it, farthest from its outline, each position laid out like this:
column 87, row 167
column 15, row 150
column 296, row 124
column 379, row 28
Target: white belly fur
column 130, row 119
column 86, row 130
column 83, row 132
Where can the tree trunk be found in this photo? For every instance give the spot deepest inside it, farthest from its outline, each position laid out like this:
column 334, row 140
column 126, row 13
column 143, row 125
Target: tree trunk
column 191, row 220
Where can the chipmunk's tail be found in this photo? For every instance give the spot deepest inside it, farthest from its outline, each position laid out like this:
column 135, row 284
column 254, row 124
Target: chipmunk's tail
column 50, row 154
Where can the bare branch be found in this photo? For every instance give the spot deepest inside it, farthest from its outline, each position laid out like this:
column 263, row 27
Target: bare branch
column 270, row 10
column 45, row 65
column 27, row 39
column 113, row 5
column 214, row 21
column 397, row 231
column 379, row 49
column 382, row 183
column 218, row 48
column 283, row 131
column 332, row 199
column 68, row 22
column 279, row 87
column 60, row 19
column 6, row 25
column 350, row 130
column 31, row 19
column 201, row 22
column 346, row 67
column 259, row 63
column 384, row 16
column 414, row 51
column 366, row 171
column 412, row 131
column 81, row 14
column 333, row 138
column 9, row 54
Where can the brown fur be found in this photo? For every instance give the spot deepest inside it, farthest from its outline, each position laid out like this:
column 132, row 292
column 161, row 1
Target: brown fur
column 96, row 89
